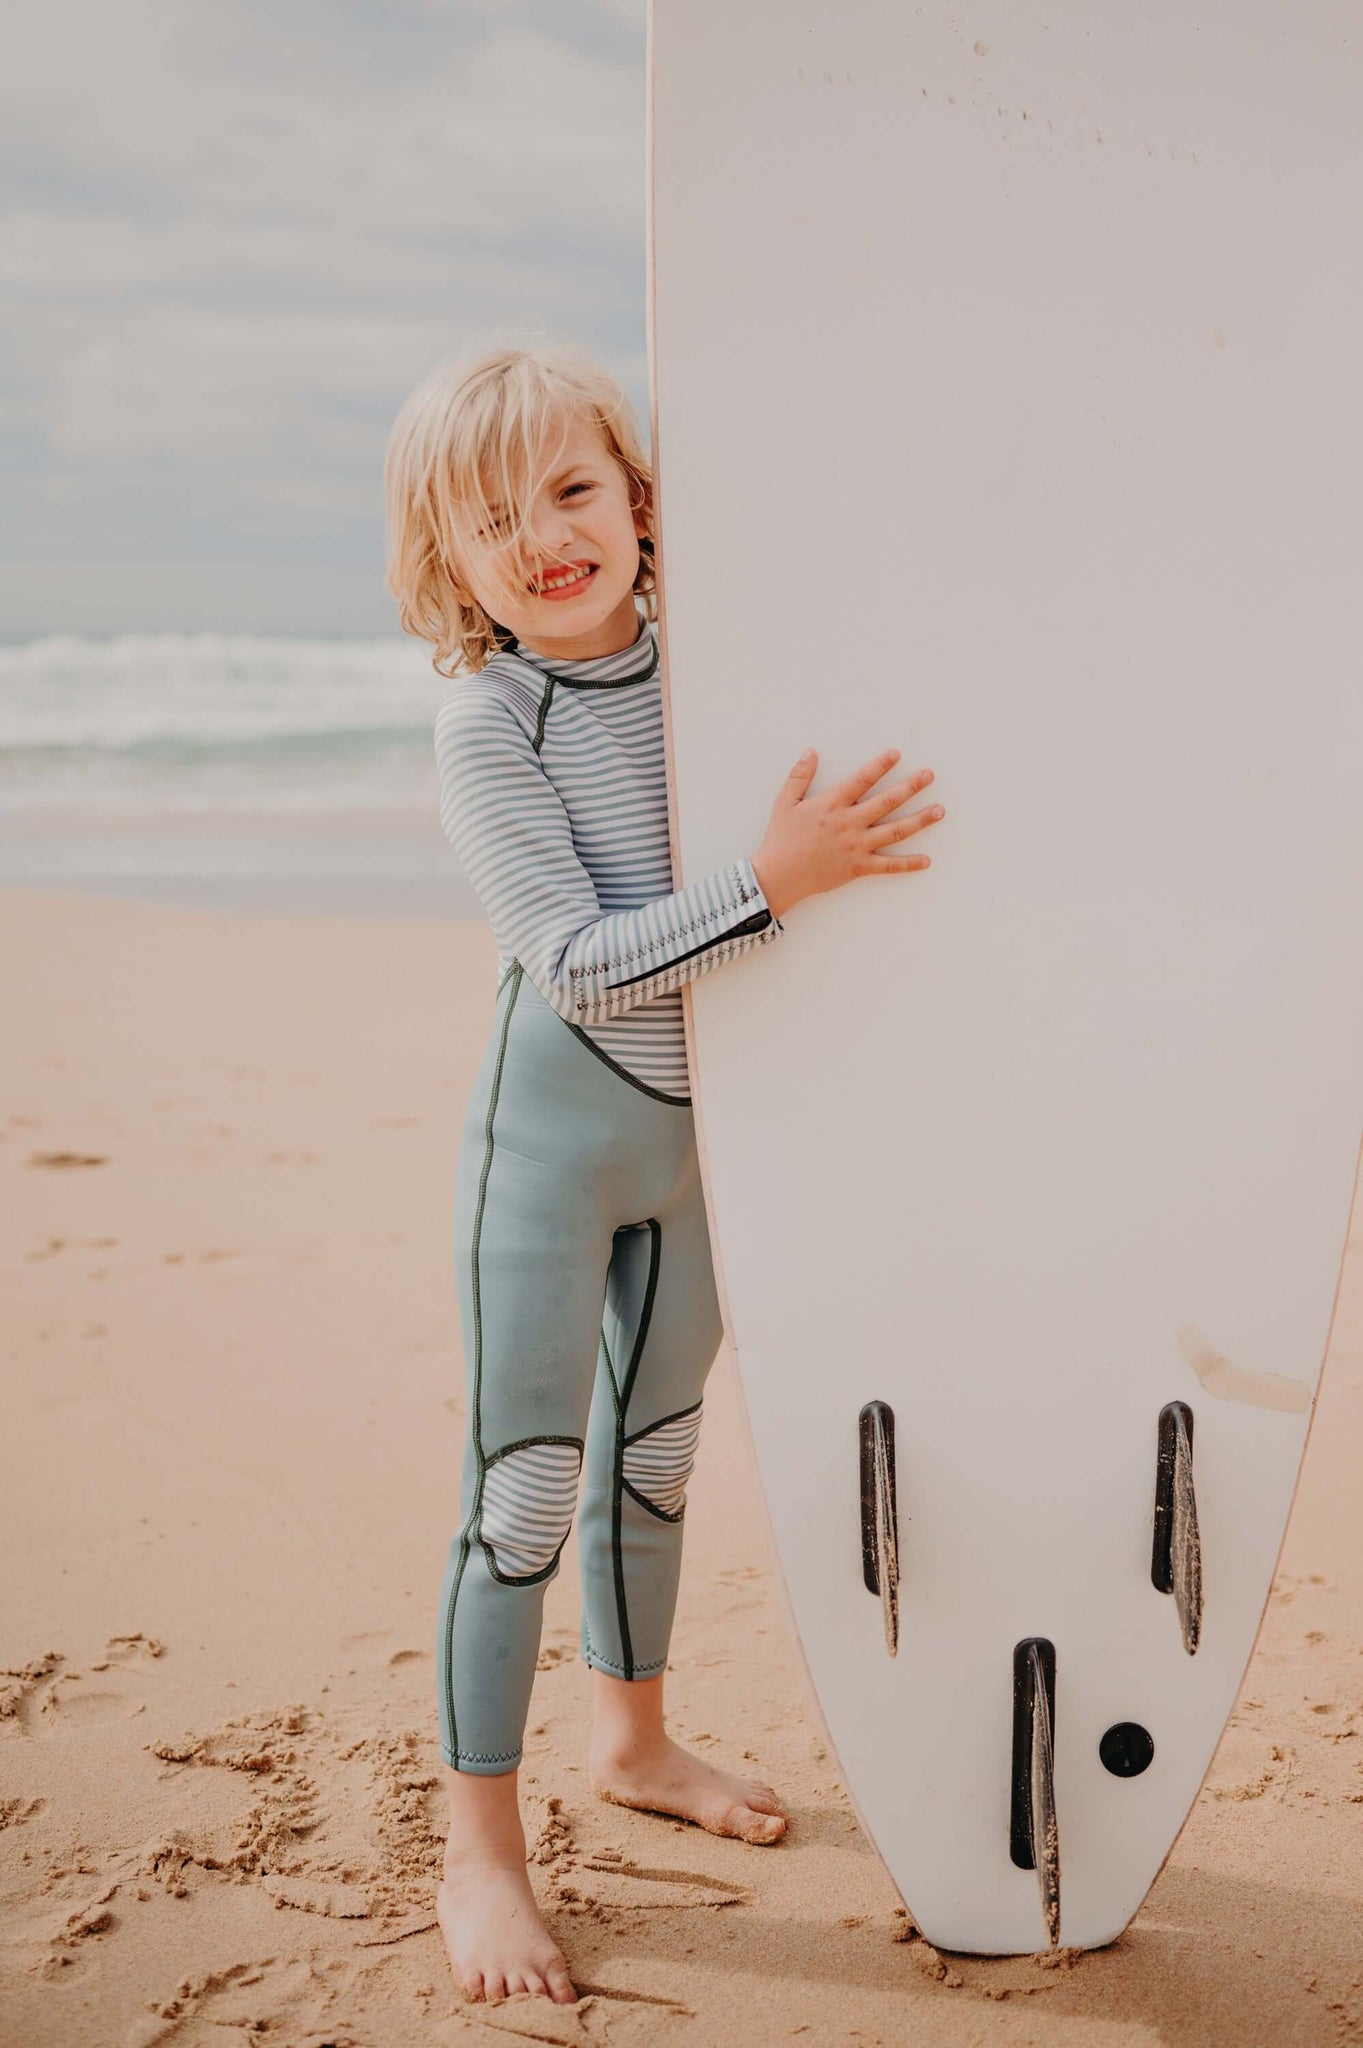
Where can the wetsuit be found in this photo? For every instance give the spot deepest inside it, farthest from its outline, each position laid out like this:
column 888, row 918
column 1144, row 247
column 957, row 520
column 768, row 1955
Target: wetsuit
column 583, row 1267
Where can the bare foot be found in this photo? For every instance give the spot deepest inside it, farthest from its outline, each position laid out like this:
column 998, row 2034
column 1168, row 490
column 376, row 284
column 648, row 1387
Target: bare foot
column 662, row 1777
column 496, row 1937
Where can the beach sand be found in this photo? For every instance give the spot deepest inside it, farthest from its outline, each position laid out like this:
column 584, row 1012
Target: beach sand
column 233, row 1408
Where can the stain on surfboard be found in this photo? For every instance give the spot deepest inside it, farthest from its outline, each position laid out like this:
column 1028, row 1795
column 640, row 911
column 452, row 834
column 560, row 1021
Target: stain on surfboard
column 1227, row 1381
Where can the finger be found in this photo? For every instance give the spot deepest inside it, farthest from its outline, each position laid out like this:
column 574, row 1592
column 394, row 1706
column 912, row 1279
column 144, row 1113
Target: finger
column 859, row 781
column 901, row 828
column 799, row 778
column 882, row 801
column 884, row 864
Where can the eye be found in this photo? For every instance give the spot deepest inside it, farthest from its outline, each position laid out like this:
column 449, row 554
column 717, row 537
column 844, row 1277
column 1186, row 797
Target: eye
column 578, row 487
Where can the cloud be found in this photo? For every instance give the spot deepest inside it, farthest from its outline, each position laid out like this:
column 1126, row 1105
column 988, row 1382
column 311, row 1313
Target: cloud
column 238, row 233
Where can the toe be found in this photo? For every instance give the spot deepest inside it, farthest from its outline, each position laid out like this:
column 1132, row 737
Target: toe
column 759, row 1827
column 560, row 1984
column 494, row 1986
column 472, row 1981
column 533, row 1981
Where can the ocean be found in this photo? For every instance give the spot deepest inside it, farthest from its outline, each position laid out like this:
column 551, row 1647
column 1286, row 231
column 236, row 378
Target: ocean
column 283, row 776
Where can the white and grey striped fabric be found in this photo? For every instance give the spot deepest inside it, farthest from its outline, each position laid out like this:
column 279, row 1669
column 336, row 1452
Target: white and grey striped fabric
column 553, row 793
column 658, row 1464
column 528, row 1500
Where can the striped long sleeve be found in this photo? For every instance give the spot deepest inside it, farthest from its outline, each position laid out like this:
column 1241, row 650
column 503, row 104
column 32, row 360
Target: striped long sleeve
column 513, row 832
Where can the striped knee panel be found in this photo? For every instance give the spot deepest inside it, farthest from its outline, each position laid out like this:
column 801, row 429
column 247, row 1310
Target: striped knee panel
column 529, row 1494
column 657, row 1461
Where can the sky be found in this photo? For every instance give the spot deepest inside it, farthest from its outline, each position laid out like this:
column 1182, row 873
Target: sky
column 234, row 234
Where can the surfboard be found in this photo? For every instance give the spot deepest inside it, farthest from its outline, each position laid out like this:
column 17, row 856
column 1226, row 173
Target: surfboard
column 1004, row 386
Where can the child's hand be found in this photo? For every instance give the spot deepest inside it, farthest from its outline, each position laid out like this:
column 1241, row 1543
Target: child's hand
column 815, row 843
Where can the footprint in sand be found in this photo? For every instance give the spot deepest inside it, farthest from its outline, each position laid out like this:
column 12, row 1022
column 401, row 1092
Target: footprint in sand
column 70, row 1705
column 303, row 1773
column 45, row 1698
column 293, row 2000
column 135, row 1649
column 67, row 1933
column 22, row 1691
column 17, row 1813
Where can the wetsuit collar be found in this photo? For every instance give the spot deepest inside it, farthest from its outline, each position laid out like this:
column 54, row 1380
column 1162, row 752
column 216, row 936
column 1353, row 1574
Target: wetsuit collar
column 605, row 671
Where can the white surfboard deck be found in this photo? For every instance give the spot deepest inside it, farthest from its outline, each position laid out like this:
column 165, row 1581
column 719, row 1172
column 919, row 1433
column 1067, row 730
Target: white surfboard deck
column 1006, row 410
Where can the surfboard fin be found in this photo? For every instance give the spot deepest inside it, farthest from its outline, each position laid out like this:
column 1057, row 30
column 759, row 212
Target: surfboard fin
column 880, row 1515
column 1176, row 1564
column 1034, row 1833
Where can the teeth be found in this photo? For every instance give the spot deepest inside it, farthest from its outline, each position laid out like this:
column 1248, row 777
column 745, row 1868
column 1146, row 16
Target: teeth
column 559, row 581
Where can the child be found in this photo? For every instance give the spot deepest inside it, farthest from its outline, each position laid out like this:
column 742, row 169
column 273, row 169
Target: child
column 520, row 521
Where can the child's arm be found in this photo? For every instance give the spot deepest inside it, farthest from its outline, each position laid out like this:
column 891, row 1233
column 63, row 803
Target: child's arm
column 508, row 825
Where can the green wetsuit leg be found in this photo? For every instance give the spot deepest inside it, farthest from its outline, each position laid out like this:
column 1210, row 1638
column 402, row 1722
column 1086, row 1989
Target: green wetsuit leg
column 586, row 1290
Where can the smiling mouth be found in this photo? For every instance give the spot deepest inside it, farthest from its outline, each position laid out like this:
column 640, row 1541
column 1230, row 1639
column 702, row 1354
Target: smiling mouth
column 576, row 575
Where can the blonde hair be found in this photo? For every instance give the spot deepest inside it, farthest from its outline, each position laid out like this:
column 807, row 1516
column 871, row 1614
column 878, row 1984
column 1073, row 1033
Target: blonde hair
column 483, row 421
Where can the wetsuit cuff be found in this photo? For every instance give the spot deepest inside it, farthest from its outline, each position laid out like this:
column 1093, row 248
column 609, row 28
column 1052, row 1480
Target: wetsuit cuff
column 752, row 892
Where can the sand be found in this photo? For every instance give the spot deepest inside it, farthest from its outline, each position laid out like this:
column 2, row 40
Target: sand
column 233, row 1404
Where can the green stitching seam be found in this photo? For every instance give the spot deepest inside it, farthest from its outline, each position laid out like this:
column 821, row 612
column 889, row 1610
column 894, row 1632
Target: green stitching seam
column 660, row 1513
column 475, row 1418
column 655, row 1232
column 593, row 1656
column 546, row 1571
column 681, row 1101
column 545, row 701
column 675, row 1416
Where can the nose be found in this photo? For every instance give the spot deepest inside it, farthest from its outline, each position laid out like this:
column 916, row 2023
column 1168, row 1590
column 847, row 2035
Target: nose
column 551, row 532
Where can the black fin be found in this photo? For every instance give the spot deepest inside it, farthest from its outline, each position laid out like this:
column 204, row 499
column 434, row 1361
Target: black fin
column 1034, row 1834
column 1176, row 1562
column 880, row 1514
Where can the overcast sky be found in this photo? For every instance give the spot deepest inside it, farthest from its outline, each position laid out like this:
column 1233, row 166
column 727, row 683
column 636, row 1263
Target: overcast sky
column 235, row 233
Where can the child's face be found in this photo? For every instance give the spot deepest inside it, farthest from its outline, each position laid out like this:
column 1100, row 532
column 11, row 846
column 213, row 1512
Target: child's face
column 581, row 517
